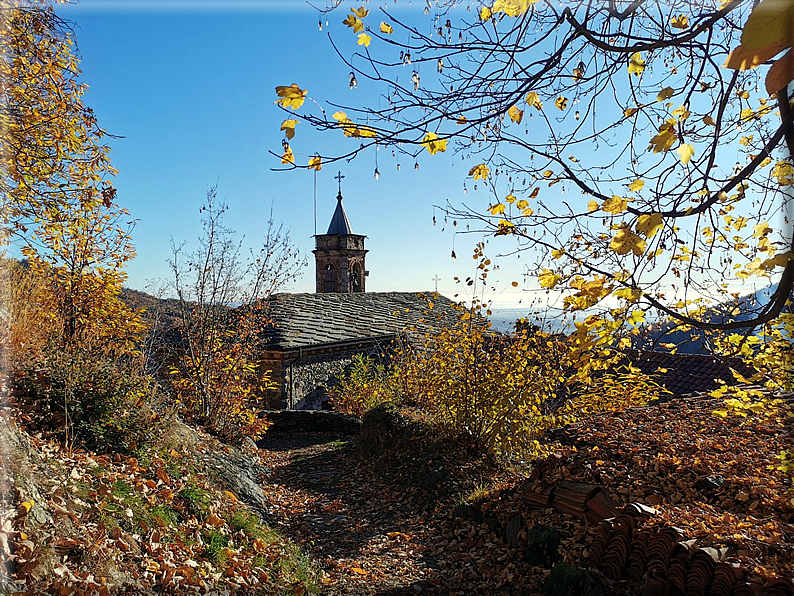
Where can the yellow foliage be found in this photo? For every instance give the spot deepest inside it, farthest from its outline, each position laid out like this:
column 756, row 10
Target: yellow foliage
column 512, row 8
column 433, row 144
column 515, row 114
column 636, row 64
column 288, row 126
column 615, row 205
column 291, row 97
column 479, row 171
column 533, row 99
column 625, row 241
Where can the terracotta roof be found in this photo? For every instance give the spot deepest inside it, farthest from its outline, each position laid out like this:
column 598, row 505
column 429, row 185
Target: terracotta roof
column 689, row 373
column 304, row 320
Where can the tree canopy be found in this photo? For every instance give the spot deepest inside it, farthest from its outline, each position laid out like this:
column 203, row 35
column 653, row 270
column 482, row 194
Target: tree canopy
column 632, row 146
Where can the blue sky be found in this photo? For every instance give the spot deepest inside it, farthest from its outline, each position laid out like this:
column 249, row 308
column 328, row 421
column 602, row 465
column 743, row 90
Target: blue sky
column 190, row 87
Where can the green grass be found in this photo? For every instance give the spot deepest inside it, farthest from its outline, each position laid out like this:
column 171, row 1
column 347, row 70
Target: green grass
column 196, row 500
column 215, row 544
column 166, row 515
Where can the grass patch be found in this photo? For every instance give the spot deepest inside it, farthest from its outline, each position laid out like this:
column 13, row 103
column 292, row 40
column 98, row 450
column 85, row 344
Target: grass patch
column 215, row 545
column 166, row 515
column 251, row 526
column 196, row 500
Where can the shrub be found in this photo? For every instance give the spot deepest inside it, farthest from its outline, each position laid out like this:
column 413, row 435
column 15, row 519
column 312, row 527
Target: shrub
column 504, row 392
column 104, row 403
column 365, row 384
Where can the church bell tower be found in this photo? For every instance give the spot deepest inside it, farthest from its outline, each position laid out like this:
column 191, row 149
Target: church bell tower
column 339, row 254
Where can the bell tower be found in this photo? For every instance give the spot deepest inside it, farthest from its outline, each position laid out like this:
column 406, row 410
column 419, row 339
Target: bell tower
column 339, row 254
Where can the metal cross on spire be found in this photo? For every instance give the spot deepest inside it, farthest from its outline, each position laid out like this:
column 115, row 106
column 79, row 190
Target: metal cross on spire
column 339, row 178
column 436, row 279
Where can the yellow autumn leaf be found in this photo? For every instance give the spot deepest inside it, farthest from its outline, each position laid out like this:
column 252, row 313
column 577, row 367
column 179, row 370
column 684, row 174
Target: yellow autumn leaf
column 665, row 93
column 636, row 317
column 533, row 99
column 485, row 13
column 680, row 22
column 547, row 173
column 479, row 171
column 341, row 117
column 522, row 204
column 461, row 120
column 784, row 172
column 636, row 64
column 636, row 185
column 592, row 206
column 515, row 114
column 291, row 97
column 709, row 121
column 769, row 23
column 386, row 28
column 557, row 253
column 433, row 144
column 629, row 112
column 664, row 140
column 762, row 229
column 356, row 24
column 615, row 205
column 497, row 209
column 628, row 294
column 681, row 112
column 685, row 152
column 316, row 163
column 561, row 102
column 548, row 279
column 288, row 126
column 510, row 199
column 512, row 8
column 288, row 157
column 625, row 241
column 360, row 12
column 28, row 505
column 364, row 40
column 649, row 224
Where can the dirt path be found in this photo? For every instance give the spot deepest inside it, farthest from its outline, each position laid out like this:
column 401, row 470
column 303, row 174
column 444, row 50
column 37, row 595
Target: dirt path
column 367, row 537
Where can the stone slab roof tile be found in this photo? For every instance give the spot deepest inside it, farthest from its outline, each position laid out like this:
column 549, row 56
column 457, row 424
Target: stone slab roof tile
column 304, row 320
column 689, row 373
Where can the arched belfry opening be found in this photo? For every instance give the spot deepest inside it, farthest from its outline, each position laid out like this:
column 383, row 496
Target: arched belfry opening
column 339, row 254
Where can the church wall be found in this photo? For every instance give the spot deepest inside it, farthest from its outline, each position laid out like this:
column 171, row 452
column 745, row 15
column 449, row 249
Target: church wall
column 301, row 376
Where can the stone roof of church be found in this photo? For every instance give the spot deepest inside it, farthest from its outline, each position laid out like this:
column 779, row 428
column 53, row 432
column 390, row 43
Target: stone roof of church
column 339, row 222
column 305, row 320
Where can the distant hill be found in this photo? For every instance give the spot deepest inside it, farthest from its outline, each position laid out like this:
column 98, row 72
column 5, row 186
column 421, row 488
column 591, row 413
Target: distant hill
column 742, row 308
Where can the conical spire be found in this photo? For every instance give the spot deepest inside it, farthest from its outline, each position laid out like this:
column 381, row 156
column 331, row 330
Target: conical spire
column 339, row 223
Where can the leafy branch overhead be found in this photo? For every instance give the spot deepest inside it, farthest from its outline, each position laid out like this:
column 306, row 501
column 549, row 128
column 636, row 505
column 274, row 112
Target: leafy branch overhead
column 638, row 143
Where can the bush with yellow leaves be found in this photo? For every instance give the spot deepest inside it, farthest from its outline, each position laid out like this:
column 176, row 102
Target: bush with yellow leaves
column 503, row 393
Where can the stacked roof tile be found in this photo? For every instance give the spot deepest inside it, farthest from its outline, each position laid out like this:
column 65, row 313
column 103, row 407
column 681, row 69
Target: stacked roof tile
column 304, row 320
column 684, row 374
column 660, row 559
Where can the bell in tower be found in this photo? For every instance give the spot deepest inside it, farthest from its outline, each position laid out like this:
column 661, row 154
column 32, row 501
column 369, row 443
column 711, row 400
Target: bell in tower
column 339, row 254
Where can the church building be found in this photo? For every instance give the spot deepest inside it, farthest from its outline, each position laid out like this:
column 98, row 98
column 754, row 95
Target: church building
column 312, row 338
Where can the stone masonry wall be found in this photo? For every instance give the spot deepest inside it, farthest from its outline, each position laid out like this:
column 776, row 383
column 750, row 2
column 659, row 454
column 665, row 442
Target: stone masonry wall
column 305, row 380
